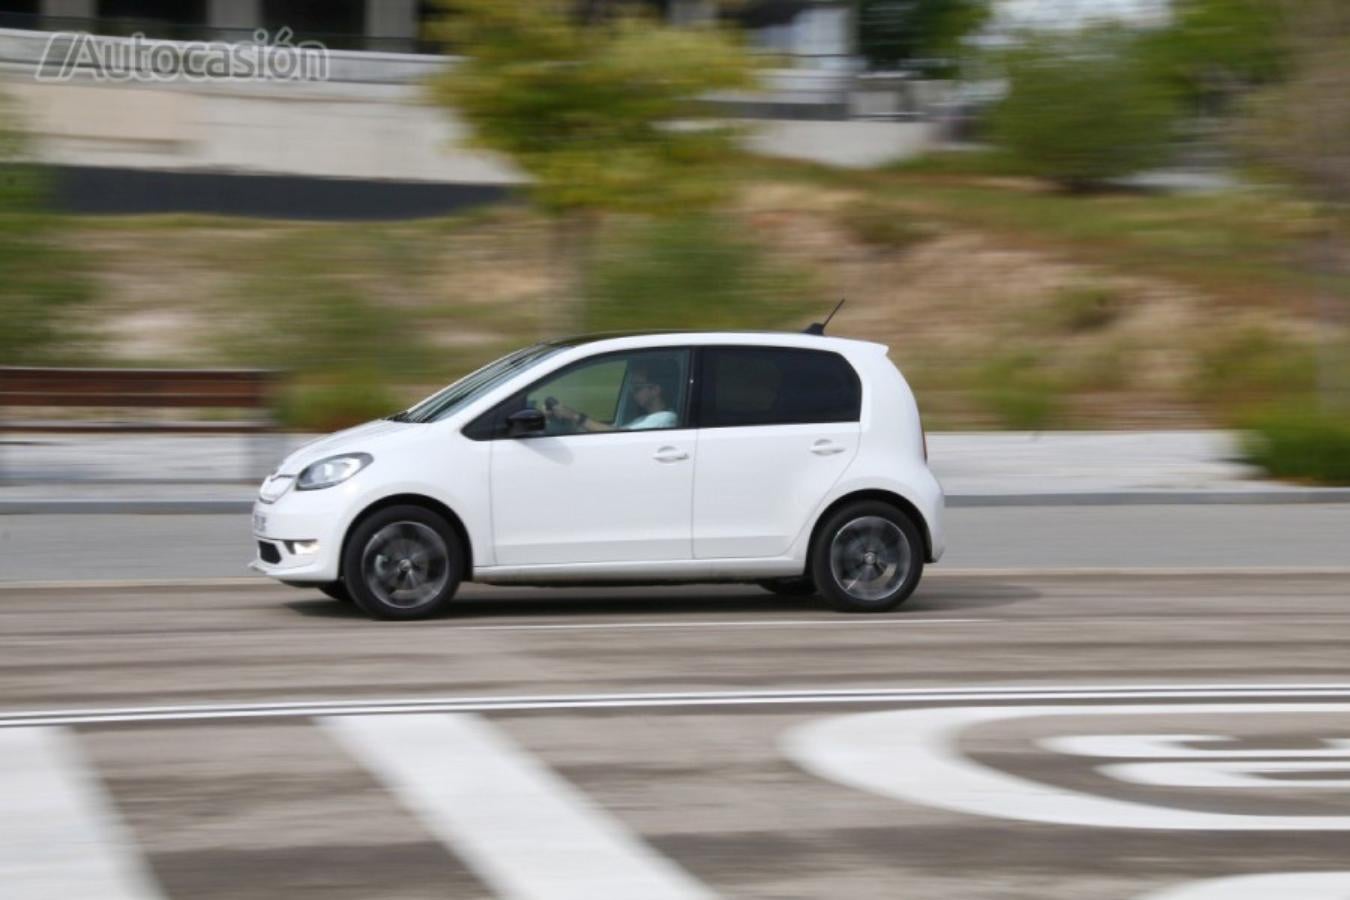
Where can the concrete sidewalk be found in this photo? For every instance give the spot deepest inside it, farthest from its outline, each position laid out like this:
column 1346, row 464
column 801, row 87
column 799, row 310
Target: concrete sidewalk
column 211, row 474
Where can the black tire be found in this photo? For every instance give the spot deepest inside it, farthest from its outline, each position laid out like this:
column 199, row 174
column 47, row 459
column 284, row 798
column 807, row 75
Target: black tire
column 337, row 590
column 403, row 562
column 876, row 544
column 790, row 587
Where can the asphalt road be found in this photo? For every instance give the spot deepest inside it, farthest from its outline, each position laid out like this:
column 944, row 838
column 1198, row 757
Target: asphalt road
column 1001, row 736
column 98, row 547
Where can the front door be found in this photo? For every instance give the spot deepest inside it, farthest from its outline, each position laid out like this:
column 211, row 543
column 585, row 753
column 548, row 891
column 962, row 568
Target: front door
column 611, row 480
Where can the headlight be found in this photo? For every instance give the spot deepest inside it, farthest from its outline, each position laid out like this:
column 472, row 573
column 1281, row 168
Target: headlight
column 334, row 470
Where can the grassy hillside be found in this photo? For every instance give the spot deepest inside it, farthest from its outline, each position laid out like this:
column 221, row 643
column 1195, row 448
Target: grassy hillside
column 1007, row 304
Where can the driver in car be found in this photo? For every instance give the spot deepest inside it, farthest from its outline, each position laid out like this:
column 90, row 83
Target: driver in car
column 649, row 390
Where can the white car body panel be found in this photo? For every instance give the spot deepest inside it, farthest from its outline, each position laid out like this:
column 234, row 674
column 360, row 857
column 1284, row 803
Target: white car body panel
column 593, row 498
column 599, row 507
column 755, row 487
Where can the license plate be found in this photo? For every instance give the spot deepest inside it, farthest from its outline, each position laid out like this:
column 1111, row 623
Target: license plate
column 259, row 523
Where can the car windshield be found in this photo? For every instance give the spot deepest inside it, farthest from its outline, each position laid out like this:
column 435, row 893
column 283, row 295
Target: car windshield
column 474, row 385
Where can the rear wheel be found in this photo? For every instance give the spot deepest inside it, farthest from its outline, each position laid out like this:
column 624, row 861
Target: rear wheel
column 403, row 562
column 868, row 557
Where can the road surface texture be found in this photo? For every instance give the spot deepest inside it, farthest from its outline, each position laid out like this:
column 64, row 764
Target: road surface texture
column 1001, row 736
column 56, row 548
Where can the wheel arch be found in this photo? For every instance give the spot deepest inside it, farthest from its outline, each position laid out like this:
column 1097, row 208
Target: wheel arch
column 890, row 498
column 428, row 503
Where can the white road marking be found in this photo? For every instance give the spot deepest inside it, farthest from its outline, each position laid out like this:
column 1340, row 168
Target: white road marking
column 1207, row 760
column 689, row 699
column 1225, row 774
column 525, row 831
column 1301, row 885
column 1172, row 746
column 60, row 837
column 912, row 755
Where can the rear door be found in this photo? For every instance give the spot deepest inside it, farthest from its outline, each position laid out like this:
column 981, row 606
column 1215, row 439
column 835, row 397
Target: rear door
column 778, row 427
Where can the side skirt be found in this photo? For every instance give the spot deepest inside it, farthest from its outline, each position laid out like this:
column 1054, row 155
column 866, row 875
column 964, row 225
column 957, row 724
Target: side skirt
column 683, row 571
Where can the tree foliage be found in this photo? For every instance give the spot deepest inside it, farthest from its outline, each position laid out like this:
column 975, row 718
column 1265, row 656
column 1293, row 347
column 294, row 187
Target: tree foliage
column 1302, row 125
column 599, row 115
column 1083, row 107
column 40, row 275
column 922, row 34
column 1216, row 48
column 1302, row 128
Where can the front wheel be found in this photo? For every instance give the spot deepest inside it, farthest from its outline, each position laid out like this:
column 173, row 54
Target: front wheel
column 403, row 562
column 868, row 557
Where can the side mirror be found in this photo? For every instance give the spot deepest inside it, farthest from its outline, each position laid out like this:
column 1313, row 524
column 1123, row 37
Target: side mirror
column 526, row 421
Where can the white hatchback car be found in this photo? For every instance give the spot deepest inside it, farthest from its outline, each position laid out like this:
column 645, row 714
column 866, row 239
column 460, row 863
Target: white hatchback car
column 796, row 461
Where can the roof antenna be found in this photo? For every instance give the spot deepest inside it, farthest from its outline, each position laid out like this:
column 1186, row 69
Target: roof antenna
column 819, row 327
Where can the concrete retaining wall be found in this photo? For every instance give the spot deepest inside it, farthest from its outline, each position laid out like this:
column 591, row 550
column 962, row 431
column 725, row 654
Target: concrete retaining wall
column 370, row 121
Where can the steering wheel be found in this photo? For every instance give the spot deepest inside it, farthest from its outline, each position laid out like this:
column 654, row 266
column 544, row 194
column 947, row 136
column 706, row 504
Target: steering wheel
column 556, row 425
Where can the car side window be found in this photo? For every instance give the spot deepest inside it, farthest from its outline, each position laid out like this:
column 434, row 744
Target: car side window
column 592, row 390
column 776, row 386
column 640, row 390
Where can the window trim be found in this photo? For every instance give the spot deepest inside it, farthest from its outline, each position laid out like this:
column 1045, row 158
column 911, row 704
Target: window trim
column 493, row 427
column 699, row 413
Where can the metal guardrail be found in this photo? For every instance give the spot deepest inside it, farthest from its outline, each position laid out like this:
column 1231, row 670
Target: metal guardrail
column 48, row 389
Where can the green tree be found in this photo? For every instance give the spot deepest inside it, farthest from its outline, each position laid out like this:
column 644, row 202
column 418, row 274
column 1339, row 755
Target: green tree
column 41, row 279
column 917, row 34
column 603, row 115
column 1301, row 127
column 1214, row 50
column 1083, row 107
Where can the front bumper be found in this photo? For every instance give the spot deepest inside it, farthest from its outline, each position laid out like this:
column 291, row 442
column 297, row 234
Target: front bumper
column 299, row 537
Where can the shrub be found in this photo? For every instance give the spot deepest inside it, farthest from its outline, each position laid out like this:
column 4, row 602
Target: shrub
column 882, row 227
column 1301, row 443
column 691, row 273
column 42, row 275
column 331, row 403
column 1018, row 390
column 1086, row 308
column 1253, row 368
column 299, row 310
column 344, row 349
column 1084, row 108
column 1104, row 368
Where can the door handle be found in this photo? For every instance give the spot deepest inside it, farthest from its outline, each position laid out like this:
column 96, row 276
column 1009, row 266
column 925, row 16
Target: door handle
column 670, row 454
column 826, row 448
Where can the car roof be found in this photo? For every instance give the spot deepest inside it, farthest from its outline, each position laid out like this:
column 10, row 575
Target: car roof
column 623, row 339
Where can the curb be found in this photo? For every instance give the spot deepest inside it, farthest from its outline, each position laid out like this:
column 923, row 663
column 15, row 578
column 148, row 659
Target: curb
column 1292, row 496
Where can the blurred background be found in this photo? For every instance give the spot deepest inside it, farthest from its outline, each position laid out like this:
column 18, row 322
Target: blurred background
column 1105, row 240
column 1059, row 215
